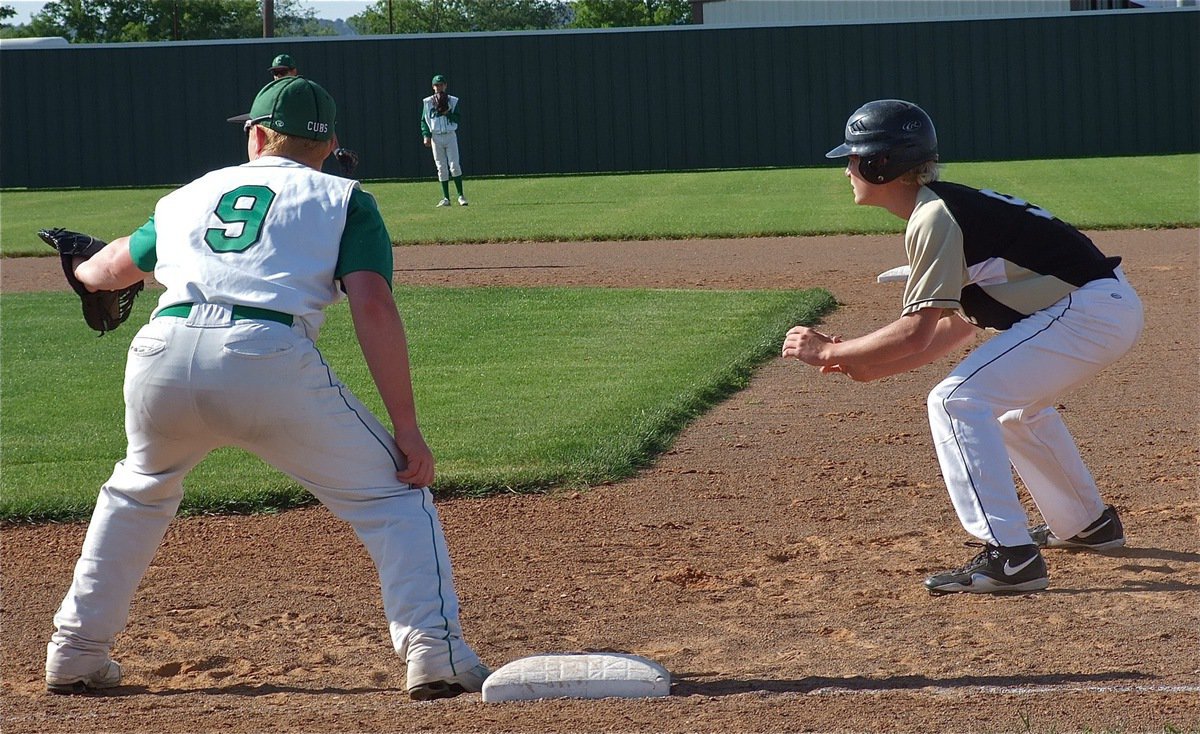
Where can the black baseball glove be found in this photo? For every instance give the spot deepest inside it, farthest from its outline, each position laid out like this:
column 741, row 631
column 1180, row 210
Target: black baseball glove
column 347, row 161
column 102, row 310
column 441, row 102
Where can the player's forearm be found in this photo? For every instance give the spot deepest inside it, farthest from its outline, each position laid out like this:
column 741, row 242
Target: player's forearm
column 381, row 336
column 904, row 339
column 110, row 269
column 951, row 333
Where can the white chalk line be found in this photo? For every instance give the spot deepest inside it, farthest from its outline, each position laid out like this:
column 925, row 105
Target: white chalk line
column 1055, row 689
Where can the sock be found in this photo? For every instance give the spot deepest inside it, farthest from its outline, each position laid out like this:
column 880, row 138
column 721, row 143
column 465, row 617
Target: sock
column 445, row 189
column 458, row 184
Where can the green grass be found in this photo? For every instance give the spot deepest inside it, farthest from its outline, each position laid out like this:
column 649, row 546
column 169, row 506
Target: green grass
column 517, row 389
column 1093, row 193
column 555, row 386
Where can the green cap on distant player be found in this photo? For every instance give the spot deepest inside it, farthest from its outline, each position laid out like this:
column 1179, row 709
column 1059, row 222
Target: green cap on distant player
column 293, row 105
column 282, row 61
column 438, row 79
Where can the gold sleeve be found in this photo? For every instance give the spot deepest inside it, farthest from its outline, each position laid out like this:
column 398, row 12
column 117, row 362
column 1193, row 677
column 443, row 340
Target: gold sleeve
column 934, row 244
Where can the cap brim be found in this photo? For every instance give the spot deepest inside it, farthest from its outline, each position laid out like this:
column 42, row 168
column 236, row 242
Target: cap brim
column 841, row 151
column 238, row 118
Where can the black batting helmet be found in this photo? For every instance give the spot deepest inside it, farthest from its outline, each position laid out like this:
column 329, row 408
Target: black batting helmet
column 890, row 136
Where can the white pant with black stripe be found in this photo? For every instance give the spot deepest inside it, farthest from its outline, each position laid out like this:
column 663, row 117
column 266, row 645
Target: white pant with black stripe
column 194, row 384
column 996, row 412
column 445, row 155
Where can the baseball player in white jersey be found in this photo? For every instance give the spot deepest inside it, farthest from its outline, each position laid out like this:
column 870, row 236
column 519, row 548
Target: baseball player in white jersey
column 1061, row 310
column 439, row 123
column 250, row 256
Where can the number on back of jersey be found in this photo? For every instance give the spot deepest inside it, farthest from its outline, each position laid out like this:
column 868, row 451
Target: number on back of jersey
column 1036, row 211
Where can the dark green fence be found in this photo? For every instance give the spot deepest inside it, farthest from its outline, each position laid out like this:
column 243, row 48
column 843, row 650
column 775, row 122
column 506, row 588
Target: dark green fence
column 1083, row 84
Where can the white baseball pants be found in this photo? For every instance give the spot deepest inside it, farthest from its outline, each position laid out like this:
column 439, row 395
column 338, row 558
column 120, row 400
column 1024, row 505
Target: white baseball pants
column 192, row 385
column 445, row 155
column 997, row 408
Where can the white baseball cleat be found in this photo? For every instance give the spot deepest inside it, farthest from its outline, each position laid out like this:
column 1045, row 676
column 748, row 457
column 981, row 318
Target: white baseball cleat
column 470, row 681
column 444, row 202
column 462, row 200
column 106, row 676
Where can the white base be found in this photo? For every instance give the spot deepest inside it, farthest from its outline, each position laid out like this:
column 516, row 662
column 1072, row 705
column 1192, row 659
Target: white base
column 591, row 675
column 895, row 275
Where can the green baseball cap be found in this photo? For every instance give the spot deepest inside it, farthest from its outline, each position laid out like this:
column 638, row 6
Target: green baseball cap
column 438, row 79
column 293, row 105
column 282, row 61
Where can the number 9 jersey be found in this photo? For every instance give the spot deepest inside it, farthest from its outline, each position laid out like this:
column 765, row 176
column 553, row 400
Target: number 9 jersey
column 271, row 233
column 994, row 257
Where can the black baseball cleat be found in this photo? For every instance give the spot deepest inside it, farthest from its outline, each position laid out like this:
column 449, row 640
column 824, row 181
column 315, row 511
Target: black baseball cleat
column 996, row 570
column 1104, row 534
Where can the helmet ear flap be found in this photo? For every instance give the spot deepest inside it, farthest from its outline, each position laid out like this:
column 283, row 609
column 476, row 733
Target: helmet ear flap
column 873, row 168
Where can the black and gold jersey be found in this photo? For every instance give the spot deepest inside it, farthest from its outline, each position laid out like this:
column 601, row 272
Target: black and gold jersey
column 994, row 257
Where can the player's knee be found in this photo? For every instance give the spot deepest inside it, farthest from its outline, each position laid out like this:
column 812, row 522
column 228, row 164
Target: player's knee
column 147, row 499
column 949, row 397
column 939, row 394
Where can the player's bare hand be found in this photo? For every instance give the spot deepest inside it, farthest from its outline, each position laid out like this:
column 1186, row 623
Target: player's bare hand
column 420, row 469
column 807, row 345
column 428, row 142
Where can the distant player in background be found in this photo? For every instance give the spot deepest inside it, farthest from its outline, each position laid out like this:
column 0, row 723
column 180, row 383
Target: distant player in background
column 250, row 257
column 1061, row 312
column 439, row 123
column 282, row 65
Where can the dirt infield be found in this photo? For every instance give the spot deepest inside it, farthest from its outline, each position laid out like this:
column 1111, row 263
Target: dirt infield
column 772, row 559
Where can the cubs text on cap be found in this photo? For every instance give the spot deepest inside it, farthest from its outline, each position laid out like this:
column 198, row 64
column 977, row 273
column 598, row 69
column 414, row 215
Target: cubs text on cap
column 293, row 105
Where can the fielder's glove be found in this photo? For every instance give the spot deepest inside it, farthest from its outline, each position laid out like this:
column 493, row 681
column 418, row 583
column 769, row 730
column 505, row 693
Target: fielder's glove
column 441, row 102
column 347, row 161
column 102, row 310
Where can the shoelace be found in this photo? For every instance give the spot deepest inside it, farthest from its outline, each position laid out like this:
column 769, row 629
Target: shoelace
column 988, row 550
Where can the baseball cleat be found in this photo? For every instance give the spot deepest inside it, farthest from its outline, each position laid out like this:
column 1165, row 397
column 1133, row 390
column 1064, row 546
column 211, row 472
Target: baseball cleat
column 995, row 570
column 444, row 202
column 1104, row 534
column 107, row 676
column 462, row 200
column 468, row 682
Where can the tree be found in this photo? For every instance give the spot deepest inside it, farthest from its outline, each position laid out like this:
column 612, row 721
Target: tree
column 459, row 16
column 517, row 15
column 8, row 30
column 116, row 21
column 409, row 16
column 630, row 13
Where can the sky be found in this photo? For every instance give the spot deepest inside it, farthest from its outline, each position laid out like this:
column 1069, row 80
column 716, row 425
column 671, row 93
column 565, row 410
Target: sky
column 329, row 9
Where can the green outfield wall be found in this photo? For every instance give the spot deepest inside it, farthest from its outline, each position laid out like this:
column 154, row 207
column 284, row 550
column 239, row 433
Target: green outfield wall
column 679, row 98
